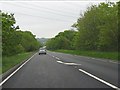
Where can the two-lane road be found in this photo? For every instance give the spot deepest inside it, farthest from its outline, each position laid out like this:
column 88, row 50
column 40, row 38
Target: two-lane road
column 58, row 70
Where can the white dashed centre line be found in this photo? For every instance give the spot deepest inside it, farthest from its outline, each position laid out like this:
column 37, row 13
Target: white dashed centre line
column 68, row 63
column 57, row 58
column 59, row 61
column 93, row 76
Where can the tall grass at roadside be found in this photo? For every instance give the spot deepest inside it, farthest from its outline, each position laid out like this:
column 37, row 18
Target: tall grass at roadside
column 96, row 54
column 10, row 61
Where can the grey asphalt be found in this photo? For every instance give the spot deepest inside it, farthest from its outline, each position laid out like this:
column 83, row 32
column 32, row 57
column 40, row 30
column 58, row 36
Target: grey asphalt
column 104, row 69
column 43, row 71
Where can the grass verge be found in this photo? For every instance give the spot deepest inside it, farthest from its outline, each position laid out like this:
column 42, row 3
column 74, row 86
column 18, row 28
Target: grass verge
column 10, row 61
column 96, row 54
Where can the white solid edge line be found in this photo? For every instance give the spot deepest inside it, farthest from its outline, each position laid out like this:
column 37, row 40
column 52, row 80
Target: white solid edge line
column 16, row 70
column 113, row 86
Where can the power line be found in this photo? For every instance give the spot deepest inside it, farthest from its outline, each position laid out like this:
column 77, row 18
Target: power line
column 52, row 9
column 39, row 16
column 42, row 10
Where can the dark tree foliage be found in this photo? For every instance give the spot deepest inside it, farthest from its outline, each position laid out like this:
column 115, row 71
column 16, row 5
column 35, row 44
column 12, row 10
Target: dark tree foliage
column 10, row 39
column 97, row 30
column 28, row 41
column 14, row 41
column 64, row 40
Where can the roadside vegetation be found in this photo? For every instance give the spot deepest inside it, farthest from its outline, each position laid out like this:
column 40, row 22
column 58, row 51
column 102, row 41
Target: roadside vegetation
column 96, row 30
column 96, row 54
column 10, row 61
column 95, row 35
column 14, row 40
column 17, row 45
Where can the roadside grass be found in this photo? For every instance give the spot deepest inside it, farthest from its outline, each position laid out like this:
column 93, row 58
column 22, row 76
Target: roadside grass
column 10, row 61
column 96, row 54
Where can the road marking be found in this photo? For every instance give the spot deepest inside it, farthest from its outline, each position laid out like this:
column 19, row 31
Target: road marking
column 16, row 70
column 93, row 76
column 54, row 57
column 59, row 61
column 68, row 63
column 57, row 58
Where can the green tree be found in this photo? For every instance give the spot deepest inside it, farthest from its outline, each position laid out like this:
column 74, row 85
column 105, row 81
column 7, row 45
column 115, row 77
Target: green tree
column 10, row 39
column 98, row 28
column 15, row 41
column 64, row 40
column 108, row 36
column 28, row 41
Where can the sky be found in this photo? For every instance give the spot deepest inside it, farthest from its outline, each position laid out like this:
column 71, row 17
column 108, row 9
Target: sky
column 45, row 19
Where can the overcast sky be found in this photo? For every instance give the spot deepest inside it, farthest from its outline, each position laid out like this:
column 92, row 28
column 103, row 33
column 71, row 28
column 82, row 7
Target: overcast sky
column 46, row 18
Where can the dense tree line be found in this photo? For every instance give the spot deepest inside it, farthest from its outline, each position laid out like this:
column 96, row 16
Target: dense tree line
column 14, row 40
column 64, row 40
column 97, row 30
